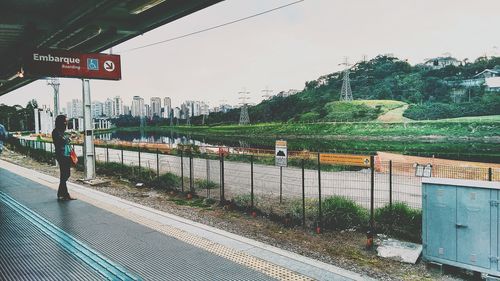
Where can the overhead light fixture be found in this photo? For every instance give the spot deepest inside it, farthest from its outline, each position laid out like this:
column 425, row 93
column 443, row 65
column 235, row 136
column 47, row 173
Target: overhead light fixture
column 19, row 74
column 137, row 7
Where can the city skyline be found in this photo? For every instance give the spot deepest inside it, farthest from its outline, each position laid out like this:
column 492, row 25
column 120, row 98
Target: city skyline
column 281, row 50
column 114, row 107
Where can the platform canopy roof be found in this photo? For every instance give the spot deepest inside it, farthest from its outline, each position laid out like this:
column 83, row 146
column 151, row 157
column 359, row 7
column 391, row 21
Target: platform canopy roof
column 74, row 25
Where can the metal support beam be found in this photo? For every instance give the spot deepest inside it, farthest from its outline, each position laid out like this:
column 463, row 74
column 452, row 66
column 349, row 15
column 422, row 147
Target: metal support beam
column 88, row 144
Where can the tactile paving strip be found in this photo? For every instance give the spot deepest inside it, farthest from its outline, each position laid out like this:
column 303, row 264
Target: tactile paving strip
column 137, row 249
column 239, row 257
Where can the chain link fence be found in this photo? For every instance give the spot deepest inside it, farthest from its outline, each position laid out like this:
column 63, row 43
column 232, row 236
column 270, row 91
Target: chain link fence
column 253, row 183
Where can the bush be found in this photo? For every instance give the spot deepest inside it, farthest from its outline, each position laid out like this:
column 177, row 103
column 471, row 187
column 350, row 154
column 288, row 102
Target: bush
column 169, row 181
column 311, row 207
column 339, row 213
column 243, row 201
column 205, row 184
column 43, row 156
column 400, row 221
column 488, row 106
column 348, row 111
column 342, row 213
column 136, row 174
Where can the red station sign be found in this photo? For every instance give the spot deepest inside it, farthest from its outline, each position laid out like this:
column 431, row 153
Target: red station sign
column 60, row 63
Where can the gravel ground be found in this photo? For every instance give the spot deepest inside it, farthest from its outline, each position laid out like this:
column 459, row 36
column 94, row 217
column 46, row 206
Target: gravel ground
column 342, row 249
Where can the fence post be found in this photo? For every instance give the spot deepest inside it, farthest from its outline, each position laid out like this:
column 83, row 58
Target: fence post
column 490, row 174
column 191, row 185
column 157, row 166
column 139, row 149
column 303, row 196
column 122, row 156
column 208, row 176
column 251, row 182
column 390, row 184
column 372, row 192
column 320, row 213
column 182, row 171
column 107, row 153
column 281, row 184
column 222, row 196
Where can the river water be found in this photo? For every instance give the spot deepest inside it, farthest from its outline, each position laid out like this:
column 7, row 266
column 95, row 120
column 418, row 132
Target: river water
column 458, row 150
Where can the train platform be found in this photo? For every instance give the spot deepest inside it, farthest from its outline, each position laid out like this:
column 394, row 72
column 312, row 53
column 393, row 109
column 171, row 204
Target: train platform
column 102, row 237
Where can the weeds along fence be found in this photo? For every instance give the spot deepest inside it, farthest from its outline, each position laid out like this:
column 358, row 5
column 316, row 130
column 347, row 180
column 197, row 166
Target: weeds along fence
column 301, row 193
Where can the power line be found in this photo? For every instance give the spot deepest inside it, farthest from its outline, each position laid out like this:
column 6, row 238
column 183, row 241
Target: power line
column 213, row 27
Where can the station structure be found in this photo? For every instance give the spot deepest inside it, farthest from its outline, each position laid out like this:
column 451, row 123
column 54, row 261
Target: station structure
column 99, row 236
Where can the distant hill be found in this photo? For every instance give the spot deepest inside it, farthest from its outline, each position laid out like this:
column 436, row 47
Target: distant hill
column 431, row 93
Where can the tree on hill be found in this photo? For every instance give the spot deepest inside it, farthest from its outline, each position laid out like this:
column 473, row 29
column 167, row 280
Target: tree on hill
column 383, row 77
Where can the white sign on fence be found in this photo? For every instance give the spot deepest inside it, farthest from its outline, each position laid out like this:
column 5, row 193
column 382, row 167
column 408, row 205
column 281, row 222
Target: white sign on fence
column 281, row 154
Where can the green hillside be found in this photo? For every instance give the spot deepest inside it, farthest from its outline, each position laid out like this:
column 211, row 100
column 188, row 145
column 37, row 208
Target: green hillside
column 432, row 94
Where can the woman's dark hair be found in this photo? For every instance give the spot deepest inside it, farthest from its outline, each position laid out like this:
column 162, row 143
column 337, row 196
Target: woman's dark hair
column 60, row 119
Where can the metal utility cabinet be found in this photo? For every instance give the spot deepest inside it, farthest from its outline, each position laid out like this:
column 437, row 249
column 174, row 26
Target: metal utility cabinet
column 461, row 223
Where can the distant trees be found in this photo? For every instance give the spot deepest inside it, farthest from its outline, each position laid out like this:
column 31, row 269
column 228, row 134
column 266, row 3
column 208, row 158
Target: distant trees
column 383, row 77
column 488, row 105
column 17, row 118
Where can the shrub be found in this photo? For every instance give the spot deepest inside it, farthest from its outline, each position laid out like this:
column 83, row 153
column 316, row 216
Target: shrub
column 209, row 201
column 41, row 155
column 169, row 181
column 309, row 117
column 343, row 213
column 488, row 106
column 400, row 221
column 243, row 201
column 205, row 184
column 311, row 207
column 350, row 111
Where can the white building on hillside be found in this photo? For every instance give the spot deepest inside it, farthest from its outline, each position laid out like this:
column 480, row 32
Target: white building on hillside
column 440, row 62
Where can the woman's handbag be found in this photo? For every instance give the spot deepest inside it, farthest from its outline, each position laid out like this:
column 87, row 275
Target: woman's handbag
column 73, row 157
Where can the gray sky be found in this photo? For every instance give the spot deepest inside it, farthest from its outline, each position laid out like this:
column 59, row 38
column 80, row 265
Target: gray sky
column 283, row 49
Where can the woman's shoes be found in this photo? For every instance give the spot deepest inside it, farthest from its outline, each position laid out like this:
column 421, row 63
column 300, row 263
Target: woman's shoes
column 65, row 198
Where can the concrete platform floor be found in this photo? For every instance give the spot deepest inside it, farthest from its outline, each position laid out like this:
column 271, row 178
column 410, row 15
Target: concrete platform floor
column 102, row 237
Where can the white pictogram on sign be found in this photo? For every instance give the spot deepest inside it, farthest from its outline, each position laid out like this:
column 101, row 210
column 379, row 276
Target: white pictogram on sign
column 109, row 65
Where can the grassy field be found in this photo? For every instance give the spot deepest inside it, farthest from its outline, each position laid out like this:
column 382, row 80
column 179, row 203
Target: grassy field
column 385, row 105
column 422, row 129
column 361, row 110
column 488, row 118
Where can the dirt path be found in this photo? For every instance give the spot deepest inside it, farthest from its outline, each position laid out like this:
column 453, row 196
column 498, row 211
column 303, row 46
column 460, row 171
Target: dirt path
column 395, row 115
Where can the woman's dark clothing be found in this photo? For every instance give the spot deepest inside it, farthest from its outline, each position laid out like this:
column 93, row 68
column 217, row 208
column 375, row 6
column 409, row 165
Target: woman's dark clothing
column 64, row 168
column 60, row 143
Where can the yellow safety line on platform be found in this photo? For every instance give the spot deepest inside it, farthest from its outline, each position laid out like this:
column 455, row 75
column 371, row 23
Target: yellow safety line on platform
column 236, row 256
column 239, row 257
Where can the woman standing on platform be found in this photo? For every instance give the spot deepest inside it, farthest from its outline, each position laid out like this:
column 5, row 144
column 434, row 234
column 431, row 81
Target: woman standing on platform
column 62, row 150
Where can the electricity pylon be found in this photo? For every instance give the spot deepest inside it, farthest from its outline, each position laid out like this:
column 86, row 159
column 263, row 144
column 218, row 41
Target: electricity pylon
column 267, row 93
column 244, row 118
column 54, row 82
column 345, row 92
